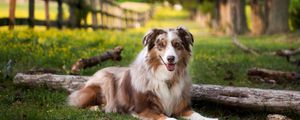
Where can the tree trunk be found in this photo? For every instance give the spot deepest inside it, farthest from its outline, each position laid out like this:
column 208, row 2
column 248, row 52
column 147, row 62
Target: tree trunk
column 256, row 99
column 31, row 13
column 232, row 16
column 94, row 14
column 59, row 14
column 47, row 16
column 225, row 17
column 257, row 17
column 277, row 14
column 12, row 10
column 216, row 15
column 74, row 18
column 238, row 17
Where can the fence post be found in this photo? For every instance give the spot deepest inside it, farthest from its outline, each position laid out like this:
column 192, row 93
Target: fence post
column 101, row 13
column 31, row 13
column 12, row 9
column 47, row 13
column 59, row 14
column 107, row 17
column 128, row 22
column 126, row 18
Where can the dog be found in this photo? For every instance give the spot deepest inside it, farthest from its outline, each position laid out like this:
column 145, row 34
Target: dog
column 155, row 86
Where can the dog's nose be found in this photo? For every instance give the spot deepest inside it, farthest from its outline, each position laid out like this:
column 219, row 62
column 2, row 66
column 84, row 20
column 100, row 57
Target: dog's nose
column 171, row 59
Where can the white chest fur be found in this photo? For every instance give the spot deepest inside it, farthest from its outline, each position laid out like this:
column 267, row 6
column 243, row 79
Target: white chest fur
column 169, row 97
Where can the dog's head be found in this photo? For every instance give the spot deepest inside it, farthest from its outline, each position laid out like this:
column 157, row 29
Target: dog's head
column 169, row 47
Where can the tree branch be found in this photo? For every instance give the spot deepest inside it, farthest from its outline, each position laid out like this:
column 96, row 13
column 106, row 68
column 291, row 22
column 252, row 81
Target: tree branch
column 243, row 47
column 83, row 63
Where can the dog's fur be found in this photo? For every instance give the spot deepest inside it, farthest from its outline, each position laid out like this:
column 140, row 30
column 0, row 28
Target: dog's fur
column 155, row 86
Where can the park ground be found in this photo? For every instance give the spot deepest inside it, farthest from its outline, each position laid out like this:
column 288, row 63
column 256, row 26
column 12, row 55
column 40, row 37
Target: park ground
column 214, row 57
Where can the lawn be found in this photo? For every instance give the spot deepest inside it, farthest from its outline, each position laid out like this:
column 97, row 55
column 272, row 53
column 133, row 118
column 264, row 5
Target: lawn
column 213, row 57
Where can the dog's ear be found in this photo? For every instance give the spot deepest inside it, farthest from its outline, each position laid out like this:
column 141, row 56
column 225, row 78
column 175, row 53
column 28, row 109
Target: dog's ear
column 149, row 38
column 186, row 37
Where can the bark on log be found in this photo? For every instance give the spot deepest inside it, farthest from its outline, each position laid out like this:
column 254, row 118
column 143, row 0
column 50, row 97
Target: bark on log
column 287, row 53
column 83, row 63
column 250, row 98
column 256, row 99
column 273, row 74
column 68, row 82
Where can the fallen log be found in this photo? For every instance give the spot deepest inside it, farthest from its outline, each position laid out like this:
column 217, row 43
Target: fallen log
column 277, row 117
column 83, row 63
column 250, row 98
column 68, row 82
column 256, row 99
column 288, row 52
column 273, row 74
column 42, row 71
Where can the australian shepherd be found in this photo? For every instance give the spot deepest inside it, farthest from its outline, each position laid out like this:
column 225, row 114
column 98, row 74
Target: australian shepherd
column 156, row 86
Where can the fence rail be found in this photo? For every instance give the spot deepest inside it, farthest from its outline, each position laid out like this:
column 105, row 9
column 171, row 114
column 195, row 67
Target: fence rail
column 112, row 15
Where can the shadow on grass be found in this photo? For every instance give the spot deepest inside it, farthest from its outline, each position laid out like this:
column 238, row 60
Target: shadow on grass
column 225, row 112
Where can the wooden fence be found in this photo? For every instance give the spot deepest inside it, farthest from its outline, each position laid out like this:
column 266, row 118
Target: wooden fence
column 105, row 14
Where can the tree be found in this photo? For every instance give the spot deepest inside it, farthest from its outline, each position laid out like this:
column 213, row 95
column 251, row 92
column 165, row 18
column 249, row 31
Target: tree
column 224, row 20
column 190, row 5
column 238, row 17
column 257, row 17
column 277, row 16
column 232, row 16
column 294, row 12
column 78, row 10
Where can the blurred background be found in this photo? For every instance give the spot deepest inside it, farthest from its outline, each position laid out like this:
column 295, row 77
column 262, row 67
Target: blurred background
column 221, row 16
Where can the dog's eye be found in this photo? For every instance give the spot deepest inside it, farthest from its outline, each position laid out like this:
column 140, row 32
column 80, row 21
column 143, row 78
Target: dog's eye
column 177, row 45
column 161, row 44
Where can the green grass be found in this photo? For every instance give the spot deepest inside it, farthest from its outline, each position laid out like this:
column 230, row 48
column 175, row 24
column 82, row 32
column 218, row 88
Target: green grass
column 213, row 57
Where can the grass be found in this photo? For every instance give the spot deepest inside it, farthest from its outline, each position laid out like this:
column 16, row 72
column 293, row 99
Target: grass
column 213, row 57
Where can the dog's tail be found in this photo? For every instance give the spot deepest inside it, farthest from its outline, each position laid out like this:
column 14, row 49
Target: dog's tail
column 87, row 96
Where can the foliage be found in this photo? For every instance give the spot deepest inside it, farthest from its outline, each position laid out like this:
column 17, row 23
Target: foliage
column 206, row 6
column 294, row 12
column 213, row 57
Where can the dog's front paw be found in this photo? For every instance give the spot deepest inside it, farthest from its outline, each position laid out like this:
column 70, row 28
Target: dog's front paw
column 94, row 108
column 170, row 118
column 211, row 119
column 197, row 116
